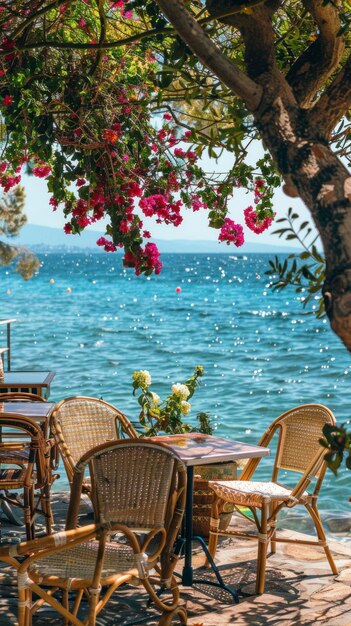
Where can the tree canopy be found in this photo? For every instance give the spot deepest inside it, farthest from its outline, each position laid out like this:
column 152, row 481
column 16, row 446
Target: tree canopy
column 114, row 103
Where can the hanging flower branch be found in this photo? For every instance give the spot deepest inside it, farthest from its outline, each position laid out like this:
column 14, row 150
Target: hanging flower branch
column 90, row 120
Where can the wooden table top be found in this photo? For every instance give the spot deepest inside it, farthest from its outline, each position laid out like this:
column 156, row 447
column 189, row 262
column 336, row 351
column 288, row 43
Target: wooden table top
column 200, row 449
column 38, row 411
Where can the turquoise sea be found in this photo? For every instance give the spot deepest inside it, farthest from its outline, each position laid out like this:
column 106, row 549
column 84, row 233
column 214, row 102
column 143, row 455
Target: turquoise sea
column 261, row 353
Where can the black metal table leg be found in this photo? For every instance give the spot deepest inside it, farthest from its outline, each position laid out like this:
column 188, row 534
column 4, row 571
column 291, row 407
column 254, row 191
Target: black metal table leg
column 187, row 540
column 187, row 578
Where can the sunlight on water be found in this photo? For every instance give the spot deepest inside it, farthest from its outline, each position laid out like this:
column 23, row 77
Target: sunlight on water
column 97, row 323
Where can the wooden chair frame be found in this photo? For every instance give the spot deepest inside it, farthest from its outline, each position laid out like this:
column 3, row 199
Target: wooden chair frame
column 20, row 396
column 29, row 453
column 298, row 449
column 162, row 529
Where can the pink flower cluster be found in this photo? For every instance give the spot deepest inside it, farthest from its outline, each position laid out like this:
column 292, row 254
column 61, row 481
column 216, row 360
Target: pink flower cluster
column 196, row 203
column 86, row 212
column 10, row 181
column 107, row 244
column 144, row 260
column 159, row 205
column 254, row 223
column 7, row 100
column 42, row 171
column 181, row 154
column 231, row 233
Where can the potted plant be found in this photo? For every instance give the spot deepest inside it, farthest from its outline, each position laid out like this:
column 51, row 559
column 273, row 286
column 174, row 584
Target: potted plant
column 167, row 417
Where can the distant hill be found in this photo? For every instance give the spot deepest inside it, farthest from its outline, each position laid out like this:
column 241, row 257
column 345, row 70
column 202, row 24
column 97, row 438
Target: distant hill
column 46, row 239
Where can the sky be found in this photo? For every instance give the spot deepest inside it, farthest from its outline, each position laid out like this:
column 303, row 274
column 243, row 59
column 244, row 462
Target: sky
column 194, row 226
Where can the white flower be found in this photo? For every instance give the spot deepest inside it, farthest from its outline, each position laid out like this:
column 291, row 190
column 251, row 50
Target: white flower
column 155, row 398
column 143, row 378
column 180, row 391
column 185, row 407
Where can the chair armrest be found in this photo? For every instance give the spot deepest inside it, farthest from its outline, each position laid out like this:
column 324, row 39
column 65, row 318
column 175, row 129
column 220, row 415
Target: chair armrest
column 53, row 542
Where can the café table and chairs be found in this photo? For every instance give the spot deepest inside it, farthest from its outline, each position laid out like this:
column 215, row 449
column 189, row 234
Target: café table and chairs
column 72, row 424
column 196, row 449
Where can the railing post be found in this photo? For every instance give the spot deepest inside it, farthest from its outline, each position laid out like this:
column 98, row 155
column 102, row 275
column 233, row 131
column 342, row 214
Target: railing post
column 8, row 341
column 9, row 346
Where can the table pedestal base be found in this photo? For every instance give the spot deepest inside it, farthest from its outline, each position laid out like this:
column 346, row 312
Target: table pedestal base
column 187, row 575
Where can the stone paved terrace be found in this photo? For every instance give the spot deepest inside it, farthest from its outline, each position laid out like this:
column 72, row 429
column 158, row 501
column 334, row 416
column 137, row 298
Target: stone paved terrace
column 300, row 589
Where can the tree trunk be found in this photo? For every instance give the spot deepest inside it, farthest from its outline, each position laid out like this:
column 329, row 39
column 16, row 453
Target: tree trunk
column 303, row 156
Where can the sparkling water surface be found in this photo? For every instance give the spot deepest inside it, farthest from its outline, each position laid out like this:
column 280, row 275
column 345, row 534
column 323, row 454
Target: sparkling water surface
column 262, row 355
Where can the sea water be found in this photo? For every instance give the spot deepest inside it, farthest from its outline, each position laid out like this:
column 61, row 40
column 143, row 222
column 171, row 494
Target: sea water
column 94, row 323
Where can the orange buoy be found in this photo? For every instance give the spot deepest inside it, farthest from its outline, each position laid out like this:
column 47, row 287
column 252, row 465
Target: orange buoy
column 178, row 289
column 51, row 281
column 69, row 290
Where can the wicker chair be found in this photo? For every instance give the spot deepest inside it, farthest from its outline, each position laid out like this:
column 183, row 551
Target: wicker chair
column 20, row 396
column 299, row 450
column 140, row 494
column 25, row 467
column 80, row 423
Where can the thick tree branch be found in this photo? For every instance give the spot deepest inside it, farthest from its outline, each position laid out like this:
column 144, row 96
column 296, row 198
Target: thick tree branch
column 197, row 40
column 309, row 73
column 259, row 39
column 335, row 101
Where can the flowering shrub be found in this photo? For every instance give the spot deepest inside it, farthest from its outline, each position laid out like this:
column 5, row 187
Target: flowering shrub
column 94, row 121
column 167, row 416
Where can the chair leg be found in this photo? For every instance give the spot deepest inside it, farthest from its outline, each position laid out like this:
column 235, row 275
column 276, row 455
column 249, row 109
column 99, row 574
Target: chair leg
column 172, row 601
column 262, row 551
column 214, row 526
column 22, row 607
column 167, row 618
column 314, row 513
column 77, row 602
column 65, row 603
column 29, row 608
column 94, row 595
column 273, row 521
column 27, row 512
column 46, row 505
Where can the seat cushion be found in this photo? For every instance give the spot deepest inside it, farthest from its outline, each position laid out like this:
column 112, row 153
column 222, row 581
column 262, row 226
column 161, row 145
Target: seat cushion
column 250, row 492
column 79, row 561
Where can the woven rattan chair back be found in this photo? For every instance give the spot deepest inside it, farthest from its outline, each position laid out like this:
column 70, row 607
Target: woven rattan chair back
column 300, row 431
column 80, row 423
column 131, row 482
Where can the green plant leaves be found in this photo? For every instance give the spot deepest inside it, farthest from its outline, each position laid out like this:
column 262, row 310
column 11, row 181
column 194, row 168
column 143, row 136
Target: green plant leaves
column 305, row 277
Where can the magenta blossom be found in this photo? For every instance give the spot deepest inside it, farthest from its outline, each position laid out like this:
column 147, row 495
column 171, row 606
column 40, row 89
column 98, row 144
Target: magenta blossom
column 254, row 223
column 231, row 233
column 42, row 171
